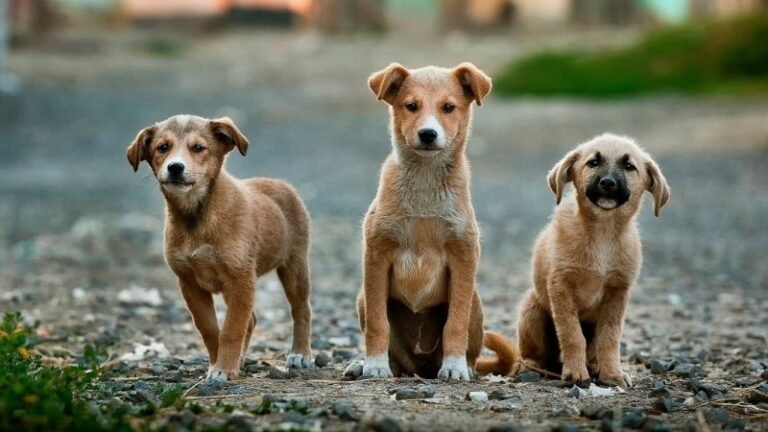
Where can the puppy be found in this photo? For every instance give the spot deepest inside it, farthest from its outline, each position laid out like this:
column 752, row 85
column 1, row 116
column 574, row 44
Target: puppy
column 418, row 306
column 222, row 233
column 587, row 259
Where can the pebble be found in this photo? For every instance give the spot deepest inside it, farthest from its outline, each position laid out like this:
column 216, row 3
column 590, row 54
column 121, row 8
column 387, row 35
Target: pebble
column 712, row 389
column 633, row 418
column 421, row 392
column 577, row 392
column 530, row 376
column 756, row 397
column 275, row 373
column 500, row 394
column 655, row 424
column 659, row 392
column 658, row 367
column 666, row 405
column 506, row 428
column 477, row 396
column 687, row 371
column 207, row 388
column 293, row 417
column 354, row 370
column 386, row 424
column 322, row 359
column 345, row 411
column 145, row 392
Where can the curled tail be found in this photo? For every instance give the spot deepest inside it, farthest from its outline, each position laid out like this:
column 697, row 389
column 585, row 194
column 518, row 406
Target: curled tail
column 505, row 359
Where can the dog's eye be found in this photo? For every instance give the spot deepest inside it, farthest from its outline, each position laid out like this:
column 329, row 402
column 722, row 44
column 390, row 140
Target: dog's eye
column 412, row 106
column 197, row 148
column 448, row 108
column 162, row 148
column 629, row 167
column 593, row 162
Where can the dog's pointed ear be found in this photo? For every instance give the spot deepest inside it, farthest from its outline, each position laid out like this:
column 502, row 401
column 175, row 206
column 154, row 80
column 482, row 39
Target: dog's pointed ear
column 561, row 174
column 657, row 186
column 138, row 149
column 224, row 129
column 387, row 82
column 476, row 83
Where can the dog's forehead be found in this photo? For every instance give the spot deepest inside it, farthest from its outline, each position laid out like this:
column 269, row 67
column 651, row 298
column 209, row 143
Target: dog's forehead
column 433, row 78
column 181, row 125
column 613, row 147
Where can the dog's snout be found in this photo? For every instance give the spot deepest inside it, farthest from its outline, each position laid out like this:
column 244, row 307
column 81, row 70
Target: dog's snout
column 608, row 184
column 175, row 168
column 427, row 136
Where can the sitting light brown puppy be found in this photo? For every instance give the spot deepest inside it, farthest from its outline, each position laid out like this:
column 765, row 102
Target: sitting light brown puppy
column 222, row 233
column 587, row 259
column 418, row 306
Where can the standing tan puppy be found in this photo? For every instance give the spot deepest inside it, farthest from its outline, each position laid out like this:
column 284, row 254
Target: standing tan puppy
column 587, row 259
column 222, row 233
column 418, row 307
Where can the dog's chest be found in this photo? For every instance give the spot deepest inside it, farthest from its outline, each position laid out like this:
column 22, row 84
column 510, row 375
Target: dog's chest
column 202, row 262
column 419, row 268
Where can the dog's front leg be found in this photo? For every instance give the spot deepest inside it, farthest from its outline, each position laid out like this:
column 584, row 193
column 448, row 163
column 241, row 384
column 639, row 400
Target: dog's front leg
column 376, row 292
column 200, row 305
column 565, row 314
column 610, row 326
column 238, row 295
column 462, row 266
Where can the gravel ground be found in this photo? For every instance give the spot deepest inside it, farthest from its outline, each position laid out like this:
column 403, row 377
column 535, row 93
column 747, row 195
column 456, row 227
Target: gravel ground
column 78, row 229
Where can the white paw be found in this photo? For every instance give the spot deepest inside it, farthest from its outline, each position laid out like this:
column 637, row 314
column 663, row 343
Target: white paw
column 216, row 375
column 454, row 368
column 298, row 361
column 377, row 367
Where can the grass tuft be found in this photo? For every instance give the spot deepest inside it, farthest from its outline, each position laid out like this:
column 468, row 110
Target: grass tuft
column 725, row 56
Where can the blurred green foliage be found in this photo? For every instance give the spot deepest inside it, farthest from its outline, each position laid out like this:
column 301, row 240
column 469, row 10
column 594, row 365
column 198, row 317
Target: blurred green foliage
column 722, row 56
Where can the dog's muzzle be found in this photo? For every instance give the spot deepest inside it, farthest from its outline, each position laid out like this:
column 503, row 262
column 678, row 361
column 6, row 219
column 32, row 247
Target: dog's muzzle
column 608, row 192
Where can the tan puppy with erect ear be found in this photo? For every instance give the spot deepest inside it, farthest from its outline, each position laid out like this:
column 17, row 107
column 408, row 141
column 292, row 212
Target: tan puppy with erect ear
column 222, row 233
column 418, row 307
column 587, row 259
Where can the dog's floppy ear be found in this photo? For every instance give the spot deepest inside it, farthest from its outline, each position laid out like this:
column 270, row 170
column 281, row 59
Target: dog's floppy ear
column 224, row 129
column 561, row 174
column 387, row 82
column 657, row 186
column 476, row 83
column 137, row 150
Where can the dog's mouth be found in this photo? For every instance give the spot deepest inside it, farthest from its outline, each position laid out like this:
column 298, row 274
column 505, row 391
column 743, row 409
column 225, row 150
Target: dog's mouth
column 177, row 183
column 608, row 200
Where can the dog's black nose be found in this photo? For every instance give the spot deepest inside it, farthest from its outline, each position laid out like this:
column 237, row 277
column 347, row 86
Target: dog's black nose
column 608, row 184
column 175, row 168
column 427, row 136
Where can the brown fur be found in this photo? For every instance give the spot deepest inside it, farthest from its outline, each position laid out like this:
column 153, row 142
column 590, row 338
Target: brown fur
column 584, row 264
column 222, row 233
column 418, row 305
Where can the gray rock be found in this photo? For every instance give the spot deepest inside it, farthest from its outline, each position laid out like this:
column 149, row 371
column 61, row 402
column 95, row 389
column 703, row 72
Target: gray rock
column 659, row 392
column 386, row 424
column 756, row 396
column 275, row 373
column 666, row 405
column 421, row 392
column 146, row 392
column 687, row 371
column 633, row 418
column 345, row 411
column 322, row 359
column 658, row 367
column 293, row 417
column 530, row 376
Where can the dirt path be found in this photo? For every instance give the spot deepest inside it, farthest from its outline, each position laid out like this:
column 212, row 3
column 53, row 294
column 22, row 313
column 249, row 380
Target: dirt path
column 77, row 227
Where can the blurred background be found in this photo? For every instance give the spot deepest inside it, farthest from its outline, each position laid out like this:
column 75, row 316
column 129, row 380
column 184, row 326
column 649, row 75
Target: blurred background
column 687, row 78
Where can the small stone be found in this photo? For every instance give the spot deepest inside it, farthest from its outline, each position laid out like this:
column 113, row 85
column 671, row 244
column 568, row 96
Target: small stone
column 386, row 424
column 354, row 370
column 577, row 392
column 666, row 405
column 275, row 373
column 687, row 371
column 293, row 417
column 530, row 376
column 322, row 359
column 633, row 418
column 174, row 376
column 702, row 396
column 506, row 428
column 557, row 383
column 658, row 367
column 145, row 392
column 591, row 411
column 705, row 356
column 764, row 375
column 345, row 411
column 207, row 388
column 421, row 392
column 713, row 389
column 255, row 368
column 659, row 392
column 477, row 396
column 756, row 396
column 654, row 424
column 500, row 394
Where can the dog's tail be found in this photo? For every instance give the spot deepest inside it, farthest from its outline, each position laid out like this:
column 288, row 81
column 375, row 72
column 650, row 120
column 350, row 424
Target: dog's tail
column 506, row 355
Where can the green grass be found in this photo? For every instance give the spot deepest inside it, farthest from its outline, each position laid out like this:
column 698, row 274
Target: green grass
column 727, row 56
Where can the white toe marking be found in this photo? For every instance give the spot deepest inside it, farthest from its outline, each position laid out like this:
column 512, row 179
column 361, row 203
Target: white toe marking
column 216, row 375
column 298, row 361
column 454, row 368
column 377, row 367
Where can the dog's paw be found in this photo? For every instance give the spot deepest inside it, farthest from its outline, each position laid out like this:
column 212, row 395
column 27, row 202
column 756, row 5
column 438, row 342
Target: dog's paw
column 575, row 372
column 354, row 370
column 454, row 368
column 298, row 361
column 621, row 379
column 217, row 374
column 377, row 367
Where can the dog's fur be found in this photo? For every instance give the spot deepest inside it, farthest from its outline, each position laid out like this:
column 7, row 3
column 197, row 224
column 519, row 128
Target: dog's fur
column 418, row 306
column 586, row 260
column 221, row 233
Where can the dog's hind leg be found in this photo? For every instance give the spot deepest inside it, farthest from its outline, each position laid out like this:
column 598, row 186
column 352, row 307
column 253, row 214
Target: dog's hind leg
column 247, row 342
column 532, row 334
column 295, row 279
